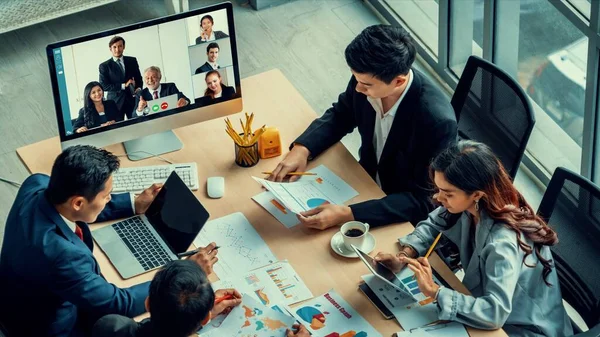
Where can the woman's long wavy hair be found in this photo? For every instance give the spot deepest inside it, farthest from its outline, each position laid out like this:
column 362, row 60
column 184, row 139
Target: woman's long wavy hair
column 90, row 114
column 209, row 92
column 471, row 167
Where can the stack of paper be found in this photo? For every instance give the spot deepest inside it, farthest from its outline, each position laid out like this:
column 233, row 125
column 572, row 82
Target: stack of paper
column 285, row 200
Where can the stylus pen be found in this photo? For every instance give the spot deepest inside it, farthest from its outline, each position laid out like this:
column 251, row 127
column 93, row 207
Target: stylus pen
column 192, row 252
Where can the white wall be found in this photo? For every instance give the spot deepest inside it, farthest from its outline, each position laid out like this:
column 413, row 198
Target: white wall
column 199, row 81
column 164, row 46
column 198, row 54
column 193, row 24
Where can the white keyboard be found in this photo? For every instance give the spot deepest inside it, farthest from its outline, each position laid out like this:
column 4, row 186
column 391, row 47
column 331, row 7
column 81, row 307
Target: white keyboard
column 137, row 179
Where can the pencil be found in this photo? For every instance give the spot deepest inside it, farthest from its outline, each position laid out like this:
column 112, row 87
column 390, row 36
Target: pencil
column 223, row 298
column 433, row 245
column 294, row 173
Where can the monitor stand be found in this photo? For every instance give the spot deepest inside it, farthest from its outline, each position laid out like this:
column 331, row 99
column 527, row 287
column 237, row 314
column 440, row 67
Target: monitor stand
column 152, row 145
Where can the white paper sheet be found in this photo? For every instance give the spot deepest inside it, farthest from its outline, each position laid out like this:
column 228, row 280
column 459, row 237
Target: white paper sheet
column 241, row 248
column 275, row 284
column 450, row 329
column 284, row 200
column 329, row 314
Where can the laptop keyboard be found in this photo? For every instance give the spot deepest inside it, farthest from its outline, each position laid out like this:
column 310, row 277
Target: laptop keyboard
column 140, row 241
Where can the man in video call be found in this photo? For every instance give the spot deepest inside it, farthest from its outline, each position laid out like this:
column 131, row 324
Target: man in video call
column 154, row 90
column 120, row 77
column 212, row 54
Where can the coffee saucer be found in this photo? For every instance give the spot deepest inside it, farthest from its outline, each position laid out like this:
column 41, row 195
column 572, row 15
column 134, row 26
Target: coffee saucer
column 337, row 244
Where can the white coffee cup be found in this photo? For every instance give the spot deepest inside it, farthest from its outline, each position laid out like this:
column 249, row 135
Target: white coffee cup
column 354, row 240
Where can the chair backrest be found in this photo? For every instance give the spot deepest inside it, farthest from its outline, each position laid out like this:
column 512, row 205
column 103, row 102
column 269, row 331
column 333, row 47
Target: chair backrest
column 492, row 108
column 571, row 206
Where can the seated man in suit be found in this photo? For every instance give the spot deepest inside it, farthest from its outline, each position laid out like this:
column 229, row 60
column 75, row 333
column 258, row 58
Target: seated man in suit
column 50, row 282
column 212, row 54
column 206, row 31
column 403, row 119
column 154, row 89
column 120, row 77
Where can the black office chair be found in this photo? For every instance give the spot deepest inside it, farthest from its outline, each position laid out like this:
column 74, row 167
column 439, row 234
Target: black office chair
column 492, row 108
column 571, row 206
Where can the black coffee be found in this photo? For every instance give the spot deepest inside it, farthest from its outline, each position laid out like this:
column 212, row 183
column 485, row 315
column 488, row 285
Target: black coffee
column 354, row 232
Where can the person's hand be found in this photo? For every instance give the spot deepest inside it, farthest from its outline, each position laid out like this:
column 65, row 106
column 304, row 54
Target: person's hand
column 130, row 81
column 81, row 129
column 204, row 35
column 143, row 201
column 225, row 306
column 423, row 274
column 142, row 104
column 295, row 160
column 108, row 123
column 393, row 262
column 326, row 216
column 181, row 102
column 206, row 257
column 300, row 331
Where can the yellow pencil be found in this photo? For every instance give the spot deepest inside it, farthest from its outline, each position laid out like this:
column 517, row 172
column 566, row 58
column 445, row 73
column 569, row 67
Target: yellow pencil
column 433, row 245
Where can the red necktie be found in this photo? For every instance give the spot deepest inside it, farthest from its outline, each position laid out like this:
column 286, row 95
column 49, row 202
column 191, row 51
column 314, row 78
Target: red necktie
column 79, row 232
column 155, row 94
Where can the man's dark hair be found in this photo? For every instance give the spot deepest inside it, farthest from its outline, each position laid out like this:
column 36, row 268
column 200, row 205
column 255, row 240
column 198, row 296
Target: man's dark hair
column 207, row 17
column 80, row 170
column 211, row 46
column 115, row 40
column 180, row 298
column 383, row 51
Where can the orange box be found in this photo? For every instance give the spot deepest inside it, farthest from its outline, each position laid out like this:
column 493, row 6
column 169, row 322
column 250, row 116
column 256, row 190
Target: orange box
column 269, row 143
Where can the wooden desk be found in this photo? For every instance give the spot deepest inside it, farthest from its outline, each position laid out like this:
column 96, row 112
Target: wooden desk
column 276, row 102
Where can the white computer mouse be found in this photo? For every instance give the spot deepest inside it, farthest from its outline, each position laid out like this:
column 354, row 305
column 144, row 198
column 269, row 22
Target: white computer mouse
column 215, row 187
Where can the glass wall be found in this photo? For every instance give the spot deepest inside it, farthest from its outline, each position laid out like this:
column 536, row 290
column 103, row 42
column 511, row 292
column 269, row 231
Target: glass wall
column 545, row 45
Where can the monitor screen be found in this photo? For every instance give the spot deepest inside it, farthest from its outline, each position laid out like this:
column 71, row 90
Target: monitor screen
column 146, row 78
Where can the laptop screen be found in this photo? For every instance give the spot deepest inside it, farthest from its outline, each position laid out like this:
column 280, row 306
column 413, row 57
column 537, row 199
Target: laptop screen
column 176, row 214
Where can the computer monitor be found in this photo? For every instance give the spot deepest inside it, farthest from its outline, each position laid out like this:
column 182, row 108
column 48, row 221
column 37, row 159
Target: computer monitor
column 135, row 84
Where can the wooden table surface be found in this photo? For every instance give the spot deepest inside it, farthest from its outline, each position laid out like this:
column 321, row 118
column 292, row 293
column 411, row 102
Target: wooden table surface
column 275, row 102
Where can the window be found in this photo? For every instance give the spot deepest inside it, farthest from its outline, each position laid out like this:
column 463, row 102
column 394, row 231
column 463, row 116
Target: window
column 421, row 16
column 466, row 33
column 552, row 63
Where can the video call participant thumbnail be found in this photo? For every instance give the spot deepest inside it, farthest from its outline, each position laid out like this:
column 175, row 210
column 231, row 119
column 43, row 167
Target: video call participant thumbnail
column 206, row 31
column 215, row 88
column 120, row 76
column 154, row 90
column 96, row 112
column 212, row 54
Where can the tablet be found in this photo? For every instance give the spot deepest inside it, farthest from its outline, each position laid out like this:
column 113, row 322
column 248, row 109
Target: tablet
column 382, row 272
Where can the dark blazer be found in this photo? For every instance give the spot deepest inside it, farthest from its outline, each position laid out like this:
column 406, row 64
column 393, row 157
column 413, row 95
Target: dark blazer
column 111, row 77
column 227, row 93
column 111, row 111
column 424, row 125
column 206, row 67
column 121, row 326
column 49, row 279
column 218, row 35
column 166, row 89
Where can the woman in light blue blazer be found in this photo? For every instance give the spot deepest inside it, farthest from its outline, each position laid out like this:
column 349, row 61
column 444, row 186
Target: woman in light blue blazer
column 504, row 248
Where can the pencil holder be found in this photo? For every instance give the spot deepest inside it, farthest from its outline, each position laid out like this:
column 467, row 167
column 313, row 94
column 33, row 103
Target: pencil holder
column 246, row 155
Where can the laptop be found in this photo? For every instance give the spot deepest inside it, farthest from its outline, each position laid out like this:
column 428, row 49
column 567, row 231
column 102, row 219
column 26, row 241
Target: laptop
column 146, row 242
column 161, row 104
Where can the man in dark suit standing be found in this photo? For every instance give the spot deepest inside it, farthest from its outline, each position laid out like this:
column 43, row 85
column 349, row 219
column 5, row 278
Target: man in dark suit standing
column 403, row 119
column 212, row 54
column 120, row 77
column 154, row 90
column 50, row 282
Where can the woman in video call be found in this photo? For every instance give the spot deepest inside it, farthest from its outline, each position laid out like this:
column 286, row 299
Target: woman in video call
column 215, row 87
column 96, row 111
column 206, row 31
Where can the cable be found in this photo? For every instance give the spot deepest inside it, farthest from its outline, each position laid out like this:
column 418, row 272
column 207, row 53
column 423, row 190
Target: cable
column 146, row 152
column 10, row 182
